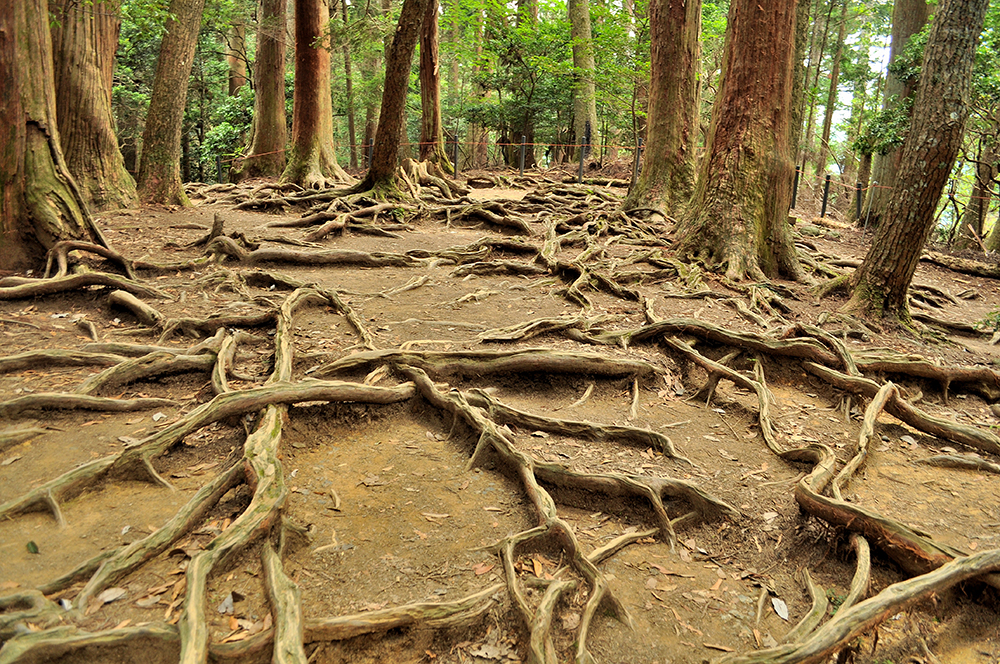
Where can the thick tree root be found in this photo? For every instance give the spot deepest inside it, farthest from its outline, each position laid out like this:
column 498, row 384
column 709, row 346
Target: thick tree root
column 35, row 359
column 905, row 411
column 59, row 253
column 504, row 414
column 487, row 362
column 849, row 624
column 148, row 366
column 19, row 288
column 58, row 401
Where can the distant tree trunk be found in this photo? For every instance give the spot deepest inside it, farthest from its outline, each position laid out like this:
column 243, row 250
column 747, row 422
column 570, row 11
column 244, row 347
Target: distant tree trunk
column 799, row 74
column 831, row 97
column 585, row 89
column 236, row 57
column 159, row 178
column 84, row 42
column 431, row 132
column 908, row 18
column 352, row 135
column 738, row 216
column 399, row 58
column 40, row 203
column 311, row 160
column 477, row 133
column 523, row 127
column 817, row 55
column 974, row 216
column 941, row 107
column 269, row 134
column 667, row 178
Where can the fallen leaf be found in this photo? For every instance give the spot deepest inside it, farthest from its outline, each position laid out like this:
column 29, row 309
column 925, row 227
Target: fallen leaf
column 124, row 623
column 780, row 607
column 715, row 646
column 111, row 594
column 483, row 568
column 9, row 460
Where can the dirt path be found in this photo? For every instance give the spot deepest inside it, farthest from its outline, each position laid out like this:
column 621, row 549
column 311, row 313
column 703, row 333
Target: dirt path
column 399, row 479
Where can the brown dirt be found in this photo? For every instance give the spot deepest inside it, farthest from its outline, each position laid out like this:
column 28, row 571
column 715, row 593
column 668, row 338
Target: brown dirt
column 415, row 524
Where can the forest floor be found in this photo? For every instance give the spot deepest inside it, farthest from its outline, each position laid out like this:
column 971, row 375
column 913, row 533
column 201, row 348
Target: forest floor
column 392, row 505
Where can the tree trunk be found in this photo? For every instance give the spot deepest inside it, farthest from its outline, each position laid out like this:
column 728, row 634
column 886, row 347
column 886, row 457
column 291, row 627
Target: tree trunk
column 799, row 74
column 908, row 18
column 269, row 134
column 585, row 90
column 807, row 143
column 667, row 178
column 352, row 135
column 941, row 107
column 739, row 212
column 974, row 216
column 312, row 162
column 385, row 158
column 84, row 41
column 523, row 128
column 40, row 203
column 831, row 97
column 478, row 135
column 431, row 132
column 236, row 57
column 159, row 178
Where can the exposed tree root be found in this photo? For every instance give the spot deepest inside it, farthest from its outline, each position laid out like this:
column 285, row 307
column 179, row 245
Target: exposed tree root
column 57, row 401
column 847, row 625
column 34, row 359
column 20, row 288
column 486, row 362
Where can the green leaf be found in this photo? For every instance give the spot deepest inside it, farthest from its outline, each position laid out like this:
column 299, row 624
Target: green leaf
column 32, row 547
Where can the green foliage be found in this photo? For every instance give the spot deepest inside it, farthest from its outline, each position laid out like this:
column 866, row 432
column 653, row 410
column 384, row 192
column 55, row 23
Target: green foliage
column 906, row 65
column 886, row 130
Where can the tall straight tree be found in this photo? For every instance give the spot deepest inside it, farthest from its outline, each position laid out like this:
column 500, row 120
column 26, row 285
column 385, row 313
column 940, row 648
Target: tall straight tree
column 84, row 41
column 352, row 135
column 159, row 178
column 908, row 18
column 431, row 131
column 266, row 155
column 831, row 96
column 941, row 107
column 738, row 216
column 311, row 160
column 381, row 175
column 667, row 177
column 40, row 203
column 585, row 88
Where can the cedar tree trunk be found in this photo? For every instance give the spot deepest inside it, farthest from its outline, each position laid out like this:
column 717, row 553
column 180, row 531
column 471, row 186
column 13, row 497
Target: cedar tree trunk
column 941, row 107
column 236, row 57
column 269, row 135
column 738, row 216
column 352, row 135
column 908, row 18
column 431, row 132
column 84, row 41
column 159, row 178
column 585, row 91
column 385, row 158
column 667, row 178
column 974, row 216
column 40, row 203
column 831, row 97
column 311, row 160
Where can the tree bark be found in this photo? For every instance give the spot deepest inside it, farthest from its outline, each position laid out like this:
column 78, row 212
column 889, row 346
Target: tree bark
column 431, row 131
column 739, row 211
column 941, row 107
column 352, row 135
column 667, row 178
column 159, row 178
column 269, row 134
column 974, row 216
column 908, row 18
column 585, row 90
column 799, row 73
column 816, row 58
column 831, row 97
column 40, row 203
column 84, row 41
column 236, row 57
column 385, row 158
column 312, row 162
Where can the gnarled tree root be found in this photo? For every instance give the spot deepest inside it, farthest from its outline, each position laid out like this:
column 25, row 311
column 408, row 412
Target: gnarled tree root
column 847, row 625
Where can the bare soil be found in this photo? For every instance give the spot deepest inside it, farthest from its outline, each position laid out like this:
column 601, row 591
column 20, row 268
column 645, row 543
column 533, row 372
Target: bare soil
column 395, row 514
